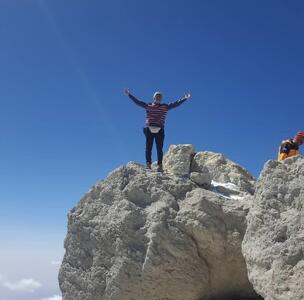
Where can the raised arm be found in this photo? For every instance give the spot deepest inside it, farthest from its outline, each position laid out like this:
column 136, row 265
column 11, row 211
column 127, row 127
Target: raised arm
column 134, row 99
column 179, row 102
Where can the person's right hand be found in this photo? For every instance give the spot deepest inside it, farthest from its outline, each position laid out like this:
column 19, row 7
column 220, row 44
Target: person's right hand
column 127, row 92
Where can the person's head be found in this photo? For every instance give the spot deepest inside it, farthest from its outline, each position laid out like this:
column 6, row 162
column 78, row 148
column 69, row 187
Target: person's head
column 299, row 138
column 157, row 97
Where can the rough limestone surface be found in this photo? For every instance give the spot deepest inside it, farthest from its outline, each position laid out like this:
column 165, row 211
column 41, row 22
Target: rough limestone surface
column 223, row 170
column 144, row 235
column 274, row 242
column 201, row 179
column 178, row 159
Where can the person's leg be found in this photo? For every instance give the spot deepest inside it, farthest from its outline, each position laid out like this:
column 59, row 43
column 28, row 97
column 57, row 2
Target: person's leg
column 159, row 139
column 149, row 145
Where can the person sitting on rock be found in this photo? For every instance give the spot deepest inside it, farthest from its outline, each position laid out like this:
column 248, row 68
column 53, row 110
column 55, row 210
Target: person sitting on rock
column 155, row 121
column 289, row 148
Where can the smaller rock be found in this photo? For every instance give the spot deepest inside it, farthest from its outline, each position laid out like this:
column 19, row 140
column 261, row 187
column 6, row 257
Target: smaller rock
column 223, row 170
column 201, row 179
column 177, row 161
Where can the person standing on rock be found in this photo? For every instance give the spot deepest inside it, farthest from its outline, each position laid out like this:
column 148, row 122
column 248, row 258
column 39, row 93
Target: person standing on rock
column 155, row 122
column 289, row 148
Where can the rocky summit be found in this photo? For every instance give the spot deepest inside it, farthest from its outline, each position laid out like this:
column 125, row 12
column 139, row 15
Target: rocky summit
column 273, row 245
column 202, row 230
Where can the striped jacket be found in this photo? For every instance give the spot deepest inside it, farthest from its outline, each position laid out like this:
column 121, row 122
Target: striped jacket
column 156, row 113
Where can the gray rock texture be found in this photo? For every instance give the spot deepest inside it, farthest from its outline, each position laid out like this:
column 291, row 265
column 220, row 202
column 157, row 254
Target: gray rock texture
column 143, row 235
column 274, row 242
column 223, row 170
column 177, row 160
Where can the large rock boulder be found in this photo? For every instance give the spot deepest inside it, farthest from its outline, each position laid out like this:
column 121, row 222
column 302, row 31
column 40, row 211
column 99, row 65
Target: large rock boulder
column 143, row 235
column 274, row 242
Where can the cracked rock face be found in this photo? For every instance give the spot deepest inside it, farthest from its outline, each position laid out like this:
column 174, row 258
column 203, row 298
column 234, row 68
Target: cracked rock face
column 178, row 159
column 274, row 242
column 145, row 235
column 223, row 170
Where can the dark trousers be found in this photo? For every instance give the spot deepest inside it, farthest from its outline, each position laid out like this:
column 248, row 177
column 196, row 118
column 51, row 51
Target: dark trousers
column 159, row 140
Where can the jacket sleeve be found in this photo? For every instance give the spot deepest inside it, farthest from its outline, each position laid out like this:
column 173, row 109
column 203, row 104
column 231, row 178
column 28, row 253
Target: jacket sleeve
column 138, row 102
column 176, row 103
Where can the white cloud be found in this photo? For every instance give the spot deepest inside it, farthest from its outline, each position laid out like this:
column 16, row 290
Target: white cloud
column 56, row 263
column 25, row 285
column 55, row 297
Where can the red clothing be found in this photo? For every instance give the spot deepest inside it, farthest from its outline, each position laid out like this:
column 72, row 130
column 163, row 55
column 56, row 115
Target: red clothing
column 156, row 113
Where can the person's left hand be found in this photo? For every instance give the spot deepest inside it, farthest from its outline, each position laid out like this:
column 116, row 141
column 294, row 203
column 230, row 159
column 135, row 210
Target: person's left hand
column 188, row 95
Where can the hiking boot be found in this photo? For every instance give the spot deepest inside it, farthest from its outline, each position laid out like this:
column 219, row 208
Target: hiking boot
column 148, row 166
column 160, row 168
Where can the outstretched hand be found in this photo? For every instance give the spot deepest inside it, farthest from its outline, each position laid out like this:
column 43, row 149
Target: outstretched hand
column 188, row 95
column 126, row 91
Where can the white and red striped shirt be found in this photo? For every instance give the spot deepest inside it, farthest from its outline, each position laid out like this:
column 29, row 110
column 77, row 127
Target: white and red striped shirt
column 155, row 112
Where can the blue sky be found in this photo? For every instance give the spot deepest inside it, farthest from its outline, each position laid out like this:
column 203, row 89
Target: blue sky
column 65, row 123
